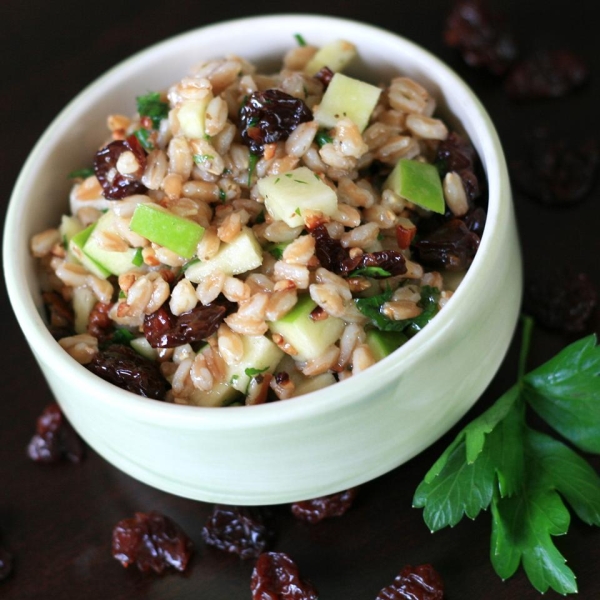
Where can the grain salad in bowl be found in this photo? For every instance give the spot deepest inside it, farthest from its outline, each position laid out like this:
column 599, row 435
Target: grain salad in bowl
column 295, row 247
column 250, row 236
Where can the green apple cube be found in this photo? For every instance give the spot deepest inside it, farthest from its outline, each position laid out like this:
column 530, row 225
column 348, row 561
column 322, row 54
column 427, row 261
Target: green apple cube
column 162, row 227
column 115, row 262
column 260, row 355
column 419, row 183
column 310, row 338
column 242, row 254
column 312, row 384
column 383, row 343
column 347, row 97
column 289, row 195
column 335, row 56
column 192, row 117
column 76, row 245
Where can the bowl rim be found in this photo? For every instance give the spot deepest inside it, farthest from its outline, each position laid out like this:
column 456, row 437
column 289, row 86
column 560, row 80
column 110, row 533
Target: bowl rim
column 314, row 403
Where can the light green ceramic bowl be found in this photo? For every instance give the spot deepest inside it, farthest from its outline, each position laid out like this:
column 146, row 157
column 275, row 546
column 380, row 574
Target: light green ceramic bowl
column 325, row 441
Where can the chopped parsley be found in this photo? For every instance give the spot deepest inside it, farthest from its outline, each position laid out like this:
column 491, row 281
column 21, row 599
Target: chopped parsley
column 138, row 259
column 260, row 217
column 81, row 173
column 190, row 263
column 202, row 158
column 301, row 41
column 122, row 336
column 222, row 195
column 152, row 106
column 254, row 158
column 370, row 272
column 252, row 372
column 322, row 137
column 276, row 250
column 526, row 477
column 143, row 136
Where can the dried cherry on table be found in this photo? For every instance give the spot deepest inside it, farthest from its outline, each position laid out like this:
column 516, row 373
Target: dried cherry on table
column 240, row 530
column 151, row 541
column 414, row 583
column 276, row 577
column 317, row 509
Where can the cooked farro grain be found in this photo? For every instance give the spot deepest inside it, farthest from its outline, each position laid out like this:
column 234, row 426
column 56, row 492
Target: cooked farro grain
column 261, row 259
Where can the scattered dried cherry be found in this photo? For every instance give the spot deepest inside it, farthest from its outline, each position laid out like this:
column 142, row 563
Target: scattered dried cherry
column 414, row 583
column 54, row 438
column 562, row 301
column 317, row 509
column 392, row 261
column 456, row 153
column 475, row 220
column 100, row 325
column 117, row 185
column 330, row 252
column 451, row 246
column 165, row 330
column 546, row 74
column 270, row 116
column 239, row 530
column 556, row 172
column 481, row 37
column 6, row 564
column 276, row 577
column 151, row 541
column 61, row 320
column 124, row 367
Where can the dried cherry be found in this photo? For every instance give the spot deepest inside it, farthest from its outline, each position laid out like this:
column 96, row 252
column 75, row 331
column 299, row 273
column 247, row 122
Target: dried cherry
column 276, row 577
column 151, row 541
column 100, row 325
column 555, row 172
column 317, row 509
column 562, row 301
column 61, row 319
column 54, row 438
column 6, row 564
column 392, row 261
column 270, row 116
column 240, row 530
column 481, row 37
column 456, row 153
column 117, row 185
column 124, row 367
column 546, row 74
column 451, row 246
column 165, row 330
column 324, row 75
column 414, row 583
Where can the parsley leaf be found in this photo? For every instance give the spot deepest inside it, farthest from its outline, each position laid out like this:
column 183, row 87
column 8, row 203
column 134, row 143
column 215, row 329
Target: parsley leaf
column 370, row 272
column 322, row 137
column 372, row 308
column 525, row 477
column 143, row 136
column 252, row 372
column 81, row 173
column 152, row 106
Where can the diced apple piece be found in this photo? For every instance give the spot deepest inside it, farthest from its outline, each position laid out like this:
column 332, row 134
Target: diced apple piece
column 192, row 117
column 289, row 195
column 142, row 346
column 309, row 338
column 312, row 384
column 162, row 227
column 76, row 245
column 419, row 183
column 383, row 343
column 260, row 355
column 335, row 55
column 347, row 97
column 242, row 254
column 116, row 262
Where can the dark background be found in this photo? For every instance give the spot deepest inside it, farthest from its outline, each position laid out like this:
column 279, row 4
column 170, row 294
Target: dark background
column 57, row 520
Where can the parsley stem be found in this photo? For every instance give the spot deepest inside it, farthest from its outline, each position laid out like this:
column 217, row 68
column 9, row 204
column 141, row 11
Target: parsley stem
column 525, row 343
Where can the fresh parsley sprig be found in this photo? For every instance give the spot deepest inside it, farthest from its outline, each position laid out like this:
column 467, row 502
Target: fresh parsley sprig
column 525, row 477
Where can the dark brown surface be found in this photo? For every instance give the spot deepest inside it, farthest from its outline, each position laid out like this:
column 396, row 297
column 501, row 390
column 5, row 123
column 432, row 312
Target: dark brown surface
column 57, row 520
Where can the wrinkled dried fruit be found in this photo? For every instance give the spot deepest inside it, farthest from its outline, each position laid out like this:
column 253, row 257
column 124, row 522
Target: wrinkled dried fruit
column 317, row 509
column 414, row 583
column 324, row 75
column 124, row 367
column 456, row 153
column 391, row 261
column 330, row 252
column 270, row 116
column 117, row 185
column 61, row 320
column 6, row 564
column 276, row 577
column 151, row 541
column 546, row 74
column 239, row 530
column 165, row 330
column 475, row 220
column 452, row 246
column 556, row 172
column 481, row 37
column 562, row 301
column 100, row 324
column 54, row 438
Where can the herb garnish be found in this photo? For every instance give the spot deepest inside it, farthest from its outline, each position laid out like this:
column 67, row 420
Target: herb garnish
column 252, row 372
column 301, row 41
column 526, row 477
column 252, row 160
column 370, row 272
column 138, row 258
column 152, row 106
column 371, row 307
column 143, row 136
column 322, row 137
column 81, row 173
